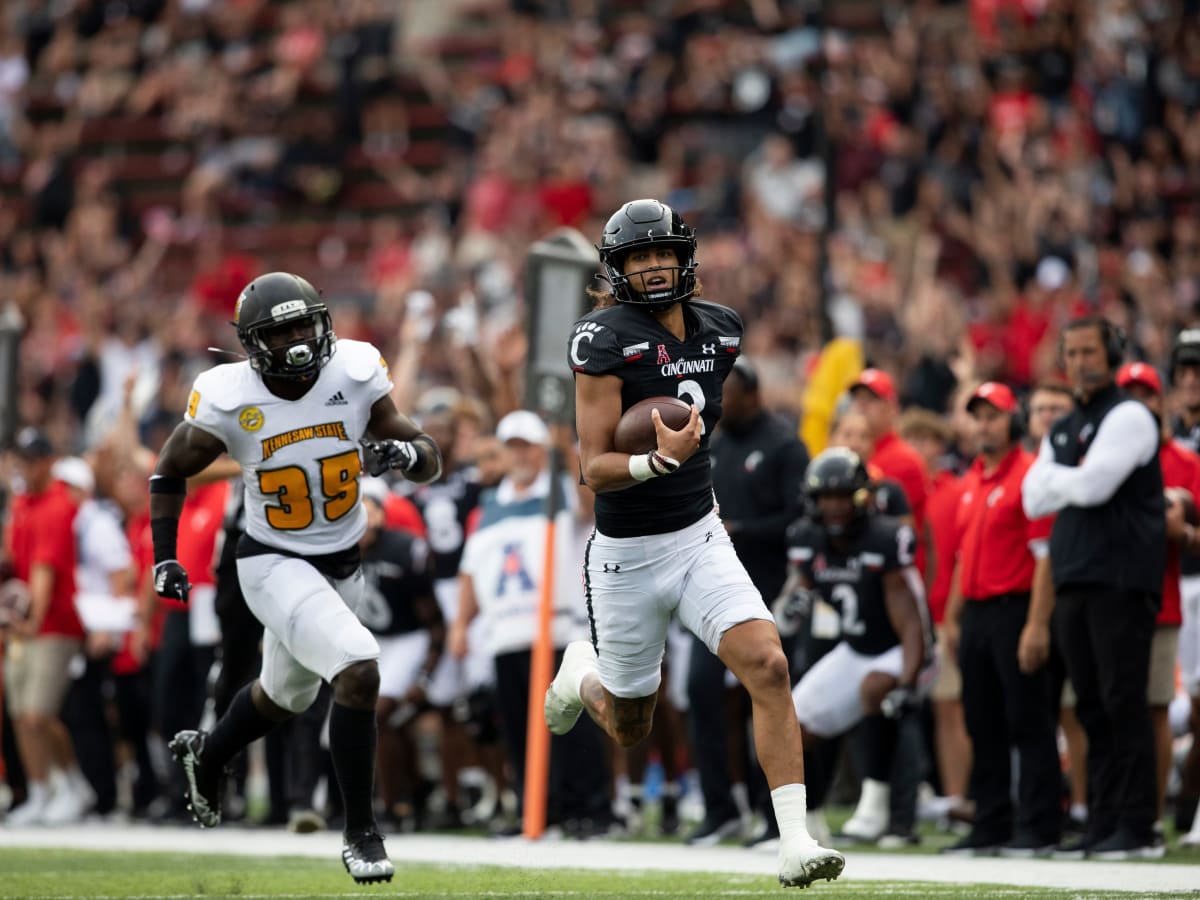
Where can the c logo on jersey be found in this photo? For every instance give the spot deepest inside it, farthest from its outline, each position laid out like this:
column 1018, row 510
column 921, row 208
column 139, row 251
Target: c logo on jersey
column 193, row 403
column 251, row 418
column 585, row 332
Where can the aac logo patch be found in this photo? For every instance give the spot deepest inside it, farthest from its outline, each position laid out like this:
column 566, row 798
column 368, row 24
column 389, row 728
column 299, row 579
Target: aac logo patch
column 251, row 418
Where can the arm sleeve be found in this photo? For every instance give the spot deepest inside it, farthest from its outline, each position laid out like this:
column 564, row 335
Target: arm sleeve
column 595, row 350
column 1035, row 496
column 1127, row 438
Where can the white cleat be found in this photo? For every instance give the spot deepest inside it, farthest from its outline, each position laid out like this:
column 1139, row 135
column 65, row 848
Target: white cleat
column 803, row 861
column 563, row 705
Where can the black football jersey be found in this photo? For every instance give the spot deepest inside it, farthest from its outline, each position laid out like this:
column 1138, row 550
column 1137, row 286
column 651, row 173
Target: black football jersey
column 628, row 342
column 397, row 570
column 444, row 506
column 852, row 581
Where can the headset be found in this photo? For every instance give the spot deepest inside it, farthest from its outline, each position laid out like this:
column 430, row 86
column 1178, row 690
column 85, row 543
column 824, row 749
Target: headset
column 1111, row 334
column 1016, row 422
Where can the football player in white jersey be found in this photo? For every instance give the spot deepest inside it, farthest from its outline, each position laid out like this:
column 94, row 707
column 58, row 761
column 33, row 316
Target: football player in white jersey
column 296, row 415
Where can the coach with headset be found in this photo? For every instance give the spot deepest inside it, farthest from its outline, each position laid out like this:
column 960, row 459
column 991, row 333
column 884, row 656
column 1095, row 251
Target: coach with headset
column 989, row 616
column 1098, row 469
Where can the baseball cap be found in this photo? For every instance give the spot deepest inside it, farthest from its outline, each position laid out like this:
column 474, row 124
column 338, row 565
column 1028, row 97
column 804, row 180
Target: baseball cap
column 523, row 425
column 74, row 471
column 995, row 393
column 1052, row 273
column 878, row 382
column 1139, row 373
column 32, row 443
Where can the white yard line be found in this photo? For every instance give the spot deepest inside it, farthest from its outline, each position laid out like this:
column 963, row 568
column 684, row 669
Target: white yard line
column 1142, row 878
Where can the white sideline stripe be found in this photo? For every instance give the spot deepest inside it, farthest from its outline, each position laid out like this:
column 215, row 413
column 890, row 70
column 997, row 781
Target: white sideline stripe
column 625, row 856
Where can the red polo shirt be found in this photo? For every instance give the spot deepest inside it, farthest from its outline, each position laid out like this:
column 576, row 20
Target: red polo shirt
column 897, row 459
column 1180, row 468
column 41, row 533
column 994, row 555
column 942, row 510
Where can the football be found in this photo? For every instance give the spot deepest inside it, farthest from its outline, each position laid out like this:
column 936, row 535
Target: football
column 1184, row 496
column 635, row 431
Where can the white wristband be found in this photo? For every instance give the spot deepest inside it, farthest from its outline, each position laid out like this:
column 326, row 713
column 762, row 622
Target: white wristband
column 639, row 467
column 645, row 466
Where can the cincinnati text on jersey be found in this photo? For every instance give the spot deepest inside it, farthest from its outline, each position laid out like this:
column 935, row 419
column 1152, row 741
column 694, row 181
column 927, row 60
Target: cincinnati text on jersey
column 324, row 430
column 688, row 367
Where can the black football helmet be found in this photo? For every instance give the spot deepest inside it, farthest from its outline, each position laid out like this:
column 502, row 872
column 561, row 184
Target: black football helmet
column 840, row 471
column 637, row 224
column 1185, row 351
column 280, row 298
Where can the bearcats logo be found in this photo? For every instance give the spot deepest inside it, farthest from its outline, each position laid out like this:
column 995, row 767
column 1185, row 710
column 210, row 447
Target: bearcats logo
column 251, row 418
column 585, row 332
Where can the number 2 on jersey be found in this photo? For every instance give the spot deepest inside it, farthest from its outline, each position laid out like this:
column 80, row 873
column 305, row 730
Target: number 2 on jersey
column 339, row 485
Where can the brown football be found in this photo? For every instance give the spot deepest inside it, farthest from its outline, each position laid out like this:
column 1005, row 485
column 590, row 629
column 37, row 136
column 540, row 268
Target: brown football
column 635, row 431
column 1184, row 496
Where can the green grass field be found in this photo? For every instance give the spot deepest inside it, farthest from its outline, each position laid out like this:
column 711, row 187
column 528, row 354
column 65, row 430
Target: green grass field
column 97, row 876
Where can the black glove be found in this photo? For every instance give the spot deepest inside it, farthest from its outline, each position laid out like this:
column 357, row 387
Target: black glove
column 171, row 580
column 898, row 702
column 379, row 456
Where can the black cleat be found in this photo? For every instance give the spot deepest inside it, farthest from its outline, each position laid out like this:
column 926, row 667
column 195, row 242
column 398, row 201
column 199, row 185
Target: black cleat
column 204, row 786
column 364, row 857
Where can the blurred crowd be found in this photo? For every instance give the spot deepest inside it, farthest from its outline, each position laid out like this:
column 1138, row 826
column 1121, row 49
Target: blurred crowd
column 944, row 183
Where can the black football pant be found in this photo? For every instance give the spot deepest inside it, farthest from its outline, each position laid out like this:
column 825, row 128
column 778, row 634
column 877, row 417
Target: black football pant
column 579, row 773
column 1004, row 709
column 1105, row 639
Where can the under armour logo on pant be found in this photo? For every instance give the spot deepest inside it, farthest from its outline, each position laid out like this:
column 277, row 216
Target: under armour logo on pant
column 707, row 536
column 612, row 567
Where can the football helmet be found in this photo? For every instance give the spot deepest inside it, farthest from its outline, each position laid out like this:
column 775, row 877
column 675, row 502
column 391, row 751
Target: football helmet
column 283, row 299
column 839, row 471
column 648, row 222
column 1185, row 351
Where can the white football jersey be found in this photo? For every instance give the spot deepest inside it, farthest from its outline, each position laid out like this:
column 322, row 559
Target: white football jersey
column 300, row 458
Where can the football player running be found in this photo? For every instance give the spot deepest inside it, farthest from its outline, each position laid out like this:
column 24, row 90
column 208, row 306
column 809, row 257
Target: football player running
column 293, row 415
column 849, row 562
column 659, row 548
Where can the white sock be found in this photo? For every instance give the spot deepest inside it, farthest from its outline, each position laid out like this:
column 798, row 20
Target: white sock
column 584, row 672
column 791, row 809
column 1079, row 812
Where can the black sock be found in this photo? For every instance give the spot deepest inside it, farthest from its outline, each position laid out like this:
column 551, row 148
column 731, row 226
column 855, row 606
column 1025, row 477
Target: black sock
column 241, row 725
column 352, row 747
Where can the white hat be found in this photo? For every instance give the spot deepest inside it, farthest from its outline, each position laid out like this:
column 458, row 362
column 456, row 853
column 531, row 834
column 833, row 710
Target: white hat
column 523, row 425
column 1052, row 273
column 74, row 471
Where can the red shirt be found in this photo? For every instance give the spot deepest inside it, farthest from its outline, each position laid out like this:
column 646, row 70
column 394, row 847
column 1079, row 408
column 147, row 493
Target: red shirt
column 1180, row 468
column 942, row 510
column 897, row 459
column 199, row 522
column 41, row 533
column 994, row 555
column 401, row 514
